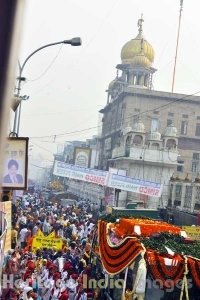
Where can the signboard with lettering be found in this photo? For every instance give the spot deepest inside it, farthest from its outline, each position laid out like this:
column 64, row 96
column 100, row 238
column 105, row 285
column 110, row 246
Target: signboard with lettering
column 82, row 157
column 192, row 231
column 41, row 241
column 15, row 164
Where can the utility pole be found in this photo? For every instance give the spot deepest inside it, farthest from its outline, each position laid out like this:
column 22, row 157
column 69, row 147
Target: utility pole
column 117, row 191
column 177, row 43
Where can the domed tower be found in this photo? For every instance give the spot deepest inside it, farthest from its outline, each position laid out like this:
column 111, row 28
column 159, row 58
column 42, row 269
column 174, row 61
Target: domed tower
column 154, row 140
column 139, row 132
column 134, row 135
column 170, row 139
column 137, row 57
column 110, row 89
column 114, row 87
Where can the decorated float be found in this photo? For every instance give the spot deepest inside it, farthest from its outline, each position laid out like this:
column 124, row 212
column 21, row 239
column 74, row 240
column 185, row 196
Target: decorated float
column 155, row 260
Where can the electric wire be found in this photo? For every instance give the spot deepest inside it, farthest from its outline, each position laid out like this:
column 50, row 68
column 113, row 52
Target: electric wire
column 42, row 148
column 161, row 107
column 38, row 166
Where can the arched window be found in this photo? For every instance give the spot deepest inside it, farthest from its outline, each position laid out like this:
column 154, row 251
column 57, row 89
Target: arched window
column 171, row 144
column 138, row 140
column 155, row 145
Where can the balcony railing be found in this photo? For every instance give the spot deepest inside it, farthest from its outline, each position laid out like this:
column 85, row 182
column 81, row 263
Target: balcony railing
column 142, row 153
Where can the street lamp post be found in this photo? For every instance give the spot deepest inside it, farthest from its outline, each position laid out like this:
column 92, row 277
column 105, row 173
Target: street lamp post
column 73, row 42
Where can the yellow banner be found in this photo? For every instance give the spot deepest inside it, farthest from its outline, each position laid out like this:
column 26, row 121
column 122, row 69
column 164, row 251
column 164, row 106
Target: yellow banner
column 192, row 231
column 50, row 241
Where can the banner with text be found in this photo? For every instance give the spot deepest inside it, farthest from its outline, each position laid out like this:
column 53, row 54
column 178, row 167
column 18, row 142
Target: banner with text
column 75, row 172
column 129, row 184
column 105, row 178
column 50, row 241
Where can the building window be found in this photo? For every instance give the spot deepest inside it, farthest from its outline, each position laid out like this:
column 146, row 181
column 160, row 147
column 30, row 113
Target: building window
column 156, row 112
column 137, row 140
column 171, row 144
column 170, row 114
column 195, row 166
column 198, row 117
column 195, row 156
column 154, row 125
column 185, row 116
column 188, row 197
column 169, row 122
column 178, row 192
column 180, row 167
column 155, row 145
column 197, row 133
column 184, row 126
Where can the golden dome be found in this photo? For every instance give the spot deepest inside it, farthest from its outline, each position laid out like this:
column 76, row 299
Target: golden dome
column 141, row 60
column 136, row 47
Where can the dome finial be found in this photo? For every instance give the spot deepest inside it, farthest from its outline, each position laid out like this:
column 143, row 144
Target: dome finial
column 139, row 24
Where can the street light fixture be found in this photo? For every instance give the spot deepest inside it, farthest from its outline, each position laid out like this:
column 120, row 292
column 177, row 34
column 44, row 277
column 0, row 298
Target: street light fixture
column 73, row 42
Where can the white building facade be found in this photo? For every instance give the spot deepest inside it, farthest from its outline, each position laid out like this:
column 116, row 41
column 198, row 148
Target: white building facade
column 149, row 156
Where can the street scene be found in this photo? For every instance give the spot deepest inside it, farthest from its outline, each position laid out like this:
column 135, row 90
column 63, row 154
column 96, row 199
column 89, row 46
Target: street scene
column 100, row 164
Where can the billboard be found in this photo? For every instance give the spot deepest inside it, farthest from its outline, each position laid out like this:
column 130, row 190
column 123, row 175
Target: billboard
column 15, row 164
column 82, row 156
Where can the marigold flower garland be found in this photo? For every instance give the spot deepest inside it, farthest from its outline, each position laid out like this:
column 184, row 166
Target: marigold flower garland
column 194, row 268
column 116, row 258
column 168, row 276
column 147, row 227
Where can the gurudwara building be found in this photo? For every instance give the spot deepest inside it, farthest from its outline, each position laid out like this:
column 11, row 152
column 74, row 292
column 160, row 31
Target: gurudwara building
column 147, row 129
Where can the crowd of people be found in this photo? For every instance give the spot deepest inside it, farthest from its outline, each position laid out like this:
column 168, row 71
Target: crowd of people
column 47, row 273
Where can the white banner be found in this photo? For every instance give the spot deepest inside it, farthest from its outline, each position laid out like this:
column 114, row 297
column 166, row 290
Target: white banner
column 75, row 172
column 135, row 185
column 105, row 178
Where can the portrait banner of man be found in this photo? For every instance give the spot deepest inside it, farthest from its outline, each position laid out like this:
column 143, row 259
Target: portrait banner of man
column 15, row 164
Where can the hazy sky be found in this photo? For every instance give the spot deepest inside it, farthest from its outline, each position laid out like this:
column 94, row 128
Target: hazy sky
column 67, row 84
